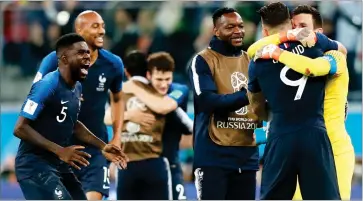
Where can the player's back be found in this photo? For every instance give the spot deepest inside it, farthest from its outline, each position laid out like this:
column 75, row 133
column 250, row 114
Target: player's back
column 140, row 142
column 295, row 101
column 53, row 107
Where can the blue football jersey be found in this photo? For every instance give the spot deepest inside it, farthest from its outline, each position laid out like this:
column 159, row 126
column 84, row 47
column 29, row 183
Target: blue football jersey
column 173, row 127
column 104, row 75
column 53, row 106
column 295, row 101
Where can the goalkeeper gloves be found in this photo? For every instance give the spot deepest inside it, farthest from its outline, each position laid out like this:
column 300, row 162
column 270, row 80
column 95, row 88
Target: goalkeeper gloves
column 268, row 52
column 305, row 36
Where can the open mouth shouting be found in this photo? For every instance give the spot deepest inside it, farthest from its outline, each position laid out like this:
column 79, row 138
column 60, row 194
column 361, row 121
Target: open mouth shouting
column 85, row 66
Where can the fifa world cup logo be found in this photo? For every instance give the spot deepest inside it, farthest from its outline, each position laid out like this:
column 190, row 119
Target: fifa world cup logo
column 134, row 103
column 238, row 80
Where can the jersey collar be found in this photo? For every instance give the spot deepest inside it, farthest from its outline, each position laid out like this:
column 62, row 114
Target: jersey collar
column 140, row 79
column 224, row 48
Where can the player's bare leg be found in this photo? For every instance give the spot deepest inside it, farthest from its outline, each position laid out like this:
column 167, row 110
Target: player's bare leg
column 94, row 195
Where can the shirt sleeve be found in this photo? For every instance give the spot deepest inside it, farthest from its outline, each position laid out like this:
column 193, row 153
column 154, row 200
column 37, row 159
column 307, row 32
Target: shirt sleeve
column 39, row 93
column 338, row 62
column 201, row 76
column 179, row 93
column 186, row 122
column 305, row 65
column 324, row 43
column 253, row 85
column 205, row 90
column 272, row 39
column 48, row 64
column 116, row 84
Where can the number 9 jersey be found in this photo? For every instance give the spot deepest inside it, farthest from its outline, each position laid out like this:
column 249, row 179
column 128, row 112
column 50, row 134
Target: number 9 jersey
column 295, row 100
column 53, row 108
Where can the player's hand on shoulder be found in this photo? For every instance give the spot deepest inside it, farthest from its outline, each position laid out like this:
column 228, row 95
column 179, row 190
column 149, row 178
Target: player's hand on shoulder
column 129, row 87
column 304, row 35
column 73, row 156
column 268, row 52
column 116, row 155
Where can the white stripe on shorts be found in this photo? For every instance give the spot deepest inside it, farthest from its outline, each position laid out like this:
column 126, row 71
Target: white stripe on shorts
column 170, row 187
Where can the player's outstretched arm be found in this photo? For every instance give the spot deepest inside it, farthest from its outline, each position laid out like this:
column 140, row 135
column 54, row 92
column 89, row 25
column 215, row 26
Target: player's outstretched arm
column 70, row 155
column 310, row 67
column 180, row 94
column 136, row 116
column 117, row 116
column 341, row 48
column 186, row 123
column 256, row 98
column 303, row 35
column 273, row 39
column 258, row 105
column 205, row 90
column 159, row 104
column 186, row 142
column 82, row 133
column 107, row 118
column 111, row 152
column 116, row 101
column 25, row 132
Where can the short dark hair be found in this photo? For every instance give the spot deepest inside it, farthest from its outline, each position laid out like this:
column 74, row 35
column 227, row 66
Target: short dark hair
column 221, row 11
column 306, row 9
column 67, row 40
column 161, row 61
column 274, row 14
column 136, row 63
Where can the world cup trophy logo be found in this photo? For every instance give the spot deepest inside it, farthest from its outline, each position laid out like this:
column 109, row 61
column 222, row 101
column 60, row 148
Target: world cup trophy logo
column 238, row 80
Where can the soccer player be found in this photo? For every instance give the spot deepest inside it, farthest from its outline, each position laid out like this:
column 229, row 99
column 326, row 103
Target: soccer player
column 297, row 145
column 336, row 92
column 307, row 17
column 225, row 152
column 47, row 121
column 143, row 143
column 105, row 74
column 161, row 80
column 172, row 135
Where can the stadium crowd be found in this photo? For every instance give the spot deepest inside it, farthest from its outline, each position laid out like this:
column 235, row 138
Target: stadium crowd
column 180, row 28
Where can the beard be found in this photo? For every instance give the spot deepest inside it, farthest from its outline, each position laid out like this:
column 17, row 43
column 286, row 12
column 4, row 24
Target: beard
column 76, row 74
column 228, row 43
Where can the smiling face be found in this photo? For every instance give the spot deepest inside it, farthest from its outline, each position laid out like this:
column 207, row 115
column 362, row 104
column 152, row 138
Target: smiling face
column 91, row 27
column 160, row 80
column 230, row 28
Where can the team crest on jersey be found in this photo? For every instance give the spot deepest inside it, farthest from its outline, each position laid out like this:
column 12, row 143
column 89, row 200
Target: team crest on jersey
column 101, row 85
column 58, row 193
column 238, row 80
